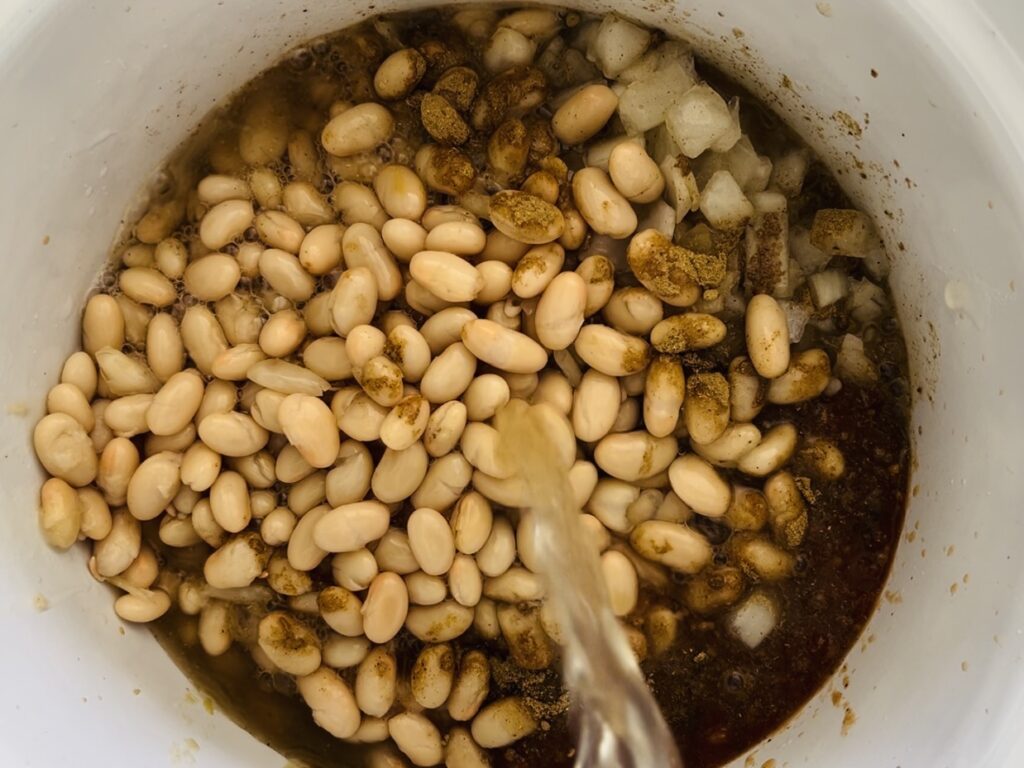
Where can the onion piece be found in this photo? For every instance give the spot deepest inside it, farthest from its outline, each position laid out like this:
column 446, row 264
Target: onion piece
column 797, row 315
column 866, row 301
column 852, row 364
column 828, row 287
column 754, row 619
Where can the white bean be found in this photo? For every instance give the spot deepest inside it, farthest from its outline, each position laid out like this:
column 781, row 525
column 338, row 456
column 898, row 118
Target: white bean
column 341, row 611
column 352, row 526
column 362, row 246
column 807, row 377
column 584, row 113
column 672, row 545
column 377, row 682
column 432, row 541
column 385, row 608
column 502, row 347
column 605, row 210
column 64, row 449
column 153, row 485
column 238, row 563
column 536, row 269
column 611, row 352
column 502, row 723
column 399, row 473
column 732, row 446
column 449, row 374
column 595, row 405
column 767, row 336
column 635, row 455
column 621, row 581
column 404, row 238
column 359, row 129
column 225, row 222
column 353, row 300
column 333, row 705
column 417, row 738
column 439, row 623
column 446, row 275
column 432, row 676
column 698, row 484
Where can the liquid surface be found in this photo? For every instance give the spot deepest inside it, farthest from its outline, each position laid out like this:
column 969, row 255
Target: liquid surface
column 719, row 697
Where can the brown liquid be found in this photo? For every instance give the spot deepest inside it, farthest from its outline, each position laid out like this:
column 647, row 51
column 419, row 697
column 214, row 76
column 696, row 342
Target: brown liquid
column 719, row 697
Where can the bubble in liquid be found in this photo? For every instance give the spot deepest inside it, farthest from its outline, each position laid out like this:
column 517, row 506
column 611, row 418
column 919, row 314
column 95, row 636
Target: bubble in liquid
column 300, row 60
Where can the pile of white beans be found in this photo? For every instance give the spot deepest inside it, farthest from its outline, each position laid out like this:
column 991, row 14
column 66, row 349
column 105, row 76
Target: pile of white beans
column 302, row 384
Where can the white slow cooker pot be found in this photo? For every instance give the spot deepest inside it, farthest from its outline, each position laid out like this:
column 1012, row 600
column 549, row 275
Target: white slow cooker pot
column 94, row 95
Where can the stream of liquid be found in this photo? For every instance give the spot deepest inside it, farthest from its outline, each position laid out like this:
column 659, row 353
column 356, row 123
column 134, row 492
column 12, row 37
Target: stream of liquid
column 618, row 720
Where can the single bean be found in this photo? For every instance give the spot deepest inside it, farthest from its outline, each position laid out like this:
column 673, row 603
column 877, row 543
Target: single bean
column 225, row 222
column 165, row 350
column 147, row 286
column 621, row 582
column 310, row 426
column 706, row 407
column 503, row 348
column 417, row 738
column 404, row 238
column 305, row 204
column 357, row 415
column 350, row 479
column 303, row 552
column 143, row 606
column 502, row 723
column 320, row 251
column 238, row 563
column 767, row 332
column 376, row 682
column 731, row 447
column 64, row 449
column 672, row 545
column 604, row 209
column 536, row 269
column 290, row 644
column 341, row 611
column 635, row 456
column 399, row 473
column 526, row 218
column 439, row 623
column 287, row 378
column 331, row 701
column 634, row 173
column 354, row 570
column 60, row 513
column 386, row 607
column 353, row 300
column 584, row 113
column 611, row 352
column 399, row 74
column 153, row 485
column 352, row 526
column 698, row 484
column 279, row 230
column 362, row 246
column 344, row 652
column 232, row 434
column 203, row 337
column 807, row 377
column 450, row 373
column 359, row 129
column 432, row 676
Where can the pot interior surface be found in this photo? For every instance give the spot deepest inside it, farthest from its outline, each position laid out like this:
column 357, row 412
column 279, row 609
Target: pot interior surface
column 924, row 137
